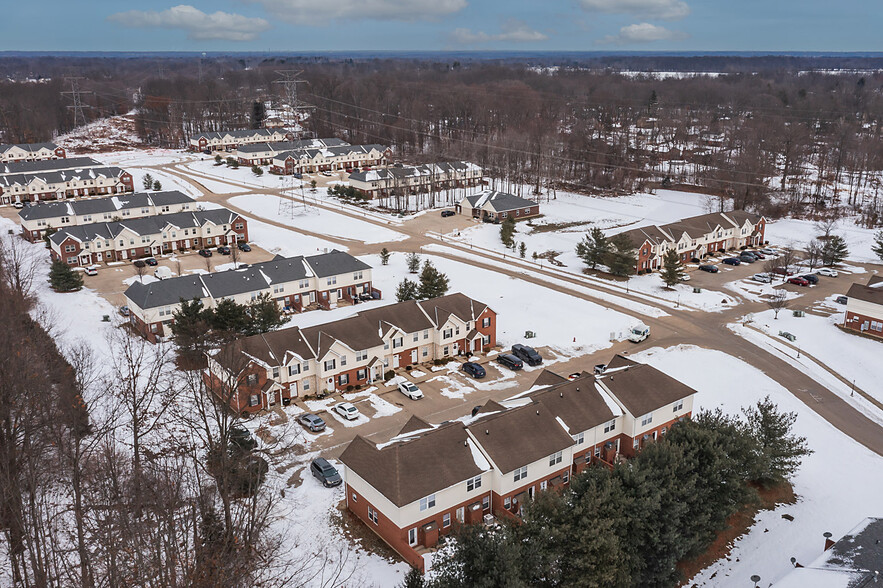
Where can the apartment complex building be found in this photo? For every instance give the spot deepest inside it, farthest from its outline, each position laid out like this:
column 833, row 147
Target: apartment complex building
column 257, row 372
column 864, row 308
column 417, row 486
column 31, row 152
column 263, row 153
column 56, row 179
column 330, row 159
column 295, row 283
column 404, row 179
column 490, row 205
column 37, row 218
column 230, row 140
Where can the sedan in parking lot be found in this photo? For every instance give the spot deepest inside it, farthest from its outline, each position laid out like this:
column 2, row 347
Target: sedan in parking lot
column 811, row 278
column 841, row 299
column 731, row 261
column 410, row 390
column 510, row 361
column 757, row 254
column 447, row 213
column 312, row 422
column 712, row 269
column 473, row 369
column 347, row 411
column 747, row 258
column 91, row 271
column 762, row 278
column 151, row 261
column 325, row 472
column 223, row 250
column 780, row 271
column 205, row 252
column 826, row 271
column 799, row 281
column 243, row 246
column 768, row 251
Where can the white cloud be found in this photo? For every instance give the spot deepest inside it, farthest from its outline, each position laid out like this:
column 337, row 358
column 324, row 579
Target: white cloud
column 662, row 9
column 313, row 12
column 198, row 24
column 513, row 30
column 642, row 33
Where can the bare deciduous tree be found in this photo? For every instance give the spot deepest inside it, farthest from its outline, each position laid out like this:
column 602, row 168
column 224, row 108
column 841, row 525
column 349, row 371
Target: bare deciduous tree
column 778, row 302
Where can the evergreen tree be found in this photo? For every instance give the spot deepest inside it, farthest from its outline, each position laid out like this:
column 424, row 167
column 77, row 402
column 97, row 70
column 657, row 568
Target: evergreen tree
column 63, row 278
column 264, row 314
column 621, row 257
column 593, row 248
column 147, row 181
column 157, row 186
column 481, row 558
column 522, row 250
column 407, row 290
column 384, row 256
column 218, row 160
column 780, row 451
column 877, row 247
column 413, row 579
column 413, row 261
column 190, row 327
column 433, row 283
column 258, row 114
column 230, row 319
column 507, row 231
column 834, row 250
column 672, row 269
column 256, row 170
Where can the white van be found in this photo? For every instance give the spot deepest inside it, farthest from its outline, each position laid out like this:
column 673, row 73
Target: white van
column 162, row 272
column 638, row 333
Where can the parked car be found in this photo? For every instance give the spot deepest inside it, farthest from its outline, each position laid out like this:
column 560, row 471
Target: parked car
column 762, row 278
column 447, row 213
column 473, row 369
column 826, row 271
column 768, row 251
column 712, row 269
column 747, row 258
column 18, row 205
column 162, row 273
column 780, row 271
column 757, row 254
column 347, row 411
column 139, row 263
column 695, row 260
column 799, row 281
column 242, row 438
column 527, row 354
column 574, row 376
column 410, row 390
column 313, row 422
column 841, row 299
column 124, row 310
column 732, row 261
column 510, row 361
column 684, row 277
column 243, row 246
column 91, row 271
column 325, row 472
column 299, row 176
column 600, row 369
column 151, row 261
column 327, row 174
column 811, row 278
column 223, row 250
column 205, row 252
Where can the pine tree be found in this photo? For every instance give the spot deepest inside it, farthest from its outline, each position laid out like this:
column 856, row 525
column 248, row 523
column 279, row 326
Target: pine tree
column 672, row 269
column 407, row 290
column 230, row 319
column 593, row 248
column 190, row 326
column 507, row 231
column 384, row 256
column 157, row 186
column 835, row 250
column 522, row 250
column 264, row 314
column 433, row 283
column 481, row 558
column 64, row 279
column 147, row 181
column 413, row 261
column 780, row 451
column 620, row 258
column 413, row 579
column 877, row 247
column 256, row 170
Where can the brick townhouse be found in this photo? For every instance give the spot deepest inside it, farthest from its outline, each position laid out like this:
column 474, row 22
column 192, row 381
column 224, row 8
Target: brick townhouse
column 404, row 179
column 864, row 308
column 57, row 179
column 334, row 158
column 36, row 219
column 349, row 352
column 230, row 140
column 85, row 245
column 295, row 283
column 492, row 206
column 31, row 152
column 696, row 236
column 428, row 478
column 263, row 153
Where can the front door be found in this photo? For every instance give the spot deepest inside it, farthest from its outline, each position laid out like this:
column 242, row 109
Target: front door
column 292, row 390
column 460, row 513
column 413, row 356
column 271, row 397
column 329, row 384
column 395, row 360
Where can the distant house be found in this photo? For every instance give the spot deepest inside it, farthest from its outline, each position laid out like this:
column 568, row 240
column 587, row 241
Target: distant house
column 31, row 152
column 230, row 140
column 403, row 180
column 263, row 153
column 57, row 179
column 491, row 205
column 331, row 158
column 864, row 308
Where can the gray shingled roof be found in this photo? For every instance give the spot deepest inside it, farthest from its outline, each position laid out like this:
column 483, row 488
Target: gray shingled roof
column 101, row 205
column 23, row 167
column 145, row 226
column 334, row 263
column 60, row 176
column 499, row 201
column 30, row 147
column 165, row 292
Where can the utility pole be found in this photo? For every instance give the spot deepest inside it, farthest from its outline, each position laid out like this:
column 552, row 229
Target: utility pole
column 77, row 106
column 289, row 79
column 201, row 57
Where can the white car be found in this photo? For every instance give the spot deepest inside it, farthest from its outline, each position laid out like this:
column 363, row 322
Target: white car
column 327, row 174
column 18, row 205
column 347, row 411
column 826, row 271
column 685, row 278
column 410, row 390
column 91, row 271
column 768, row 251
column 763, row 278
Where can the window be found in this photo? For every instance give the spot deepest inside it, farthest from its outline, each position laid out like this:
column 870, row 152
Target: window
column 275, row 373
column 520, row 473
column 343, row 380
column 446, row 520
column 609, row 426
column 357, row 276
column 526, row 211
column 428, row 502
column 412, row 536
column 398, row 342
column 678, row 405
column 294, row 369
column 543, row 485
column 635, row 444
column 342, row 360
column 555, row 458
column 507, row 502
column 278, row 288
column 372, row 515
column 426, row 334
column 361, row 356
column 598, row 451
column 425, row 351
column 448, row 333
column 473, row 483
column 486, row 322
column 306, row 385
column 486, row 503
column 416, row 337
column 565, row 476
column 332, row 280
column 579, row 439
column 306, row 366
column 254, row 400
column 70, row 248
column 330, row 365
column 251, row 379
column 646, row 419
column 361, row 374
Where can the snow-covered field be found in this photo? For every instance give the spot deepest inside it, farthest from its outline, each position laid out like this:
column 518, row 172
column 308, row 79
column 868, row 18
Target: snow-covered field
column 838, row 485
column 800, row 232
column 288, row 243
column 241, row 175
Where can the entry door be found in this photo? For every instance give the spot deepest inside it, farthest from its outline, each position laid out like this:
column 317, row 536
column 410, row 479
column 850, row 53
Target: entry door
column 329, row 385
column 460, row 513
column 413, row 356
column 312, row 297
column 292, row 390
column 395, row 360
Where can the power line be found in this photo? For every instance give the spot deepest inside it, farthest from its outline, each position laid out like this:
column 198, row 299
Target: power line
column 289, row 82
column 77, row 107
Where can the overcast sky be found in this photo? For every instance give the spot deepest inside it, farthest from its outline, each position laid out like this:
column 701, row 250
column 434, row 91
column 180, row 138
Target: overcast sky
column 542, row 25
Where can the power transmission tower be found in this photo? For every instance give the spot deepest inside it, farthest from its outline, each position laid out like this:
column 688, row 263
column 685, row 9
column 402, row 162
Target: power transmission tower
column 289, row 80
column 77, row 106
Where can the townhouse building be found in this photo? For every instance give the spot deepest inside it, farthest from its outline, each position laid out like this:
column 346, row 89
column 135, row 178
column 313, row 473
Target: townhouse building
column 346, row 353
column 493, row 206
column 263, row 153
column 402, row 179
column 332, row 158
column 696, row 237
column 409, row 491
column 31, row 152
column 230, row 140
column 295, row 283
column 864, row 308
column 56, row 179
column 37, row 218
column 104, row 242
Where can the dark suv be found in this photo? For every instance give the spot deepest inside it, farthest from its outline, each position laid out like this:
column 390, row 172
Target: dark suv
column 325, row 472
column 510, row 361
column 527, row 354
column 473, row 369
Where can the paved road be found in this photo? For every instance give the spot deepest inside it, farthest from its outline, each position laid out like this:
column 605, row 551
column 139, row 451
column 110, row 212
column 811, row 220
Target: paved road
column 703, row 329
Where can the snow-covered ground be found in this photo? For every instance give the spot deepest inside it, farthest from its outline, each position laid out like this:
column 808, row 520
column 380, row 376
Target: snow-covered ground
column 241, row 175
column 287, row 243
column 838, row 485
column 800, row 232
column 316, row 220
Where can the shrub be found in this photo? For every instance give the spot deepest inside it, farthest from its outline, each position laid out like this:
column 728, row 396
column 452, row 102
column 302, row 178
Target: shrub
column 389, row 375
